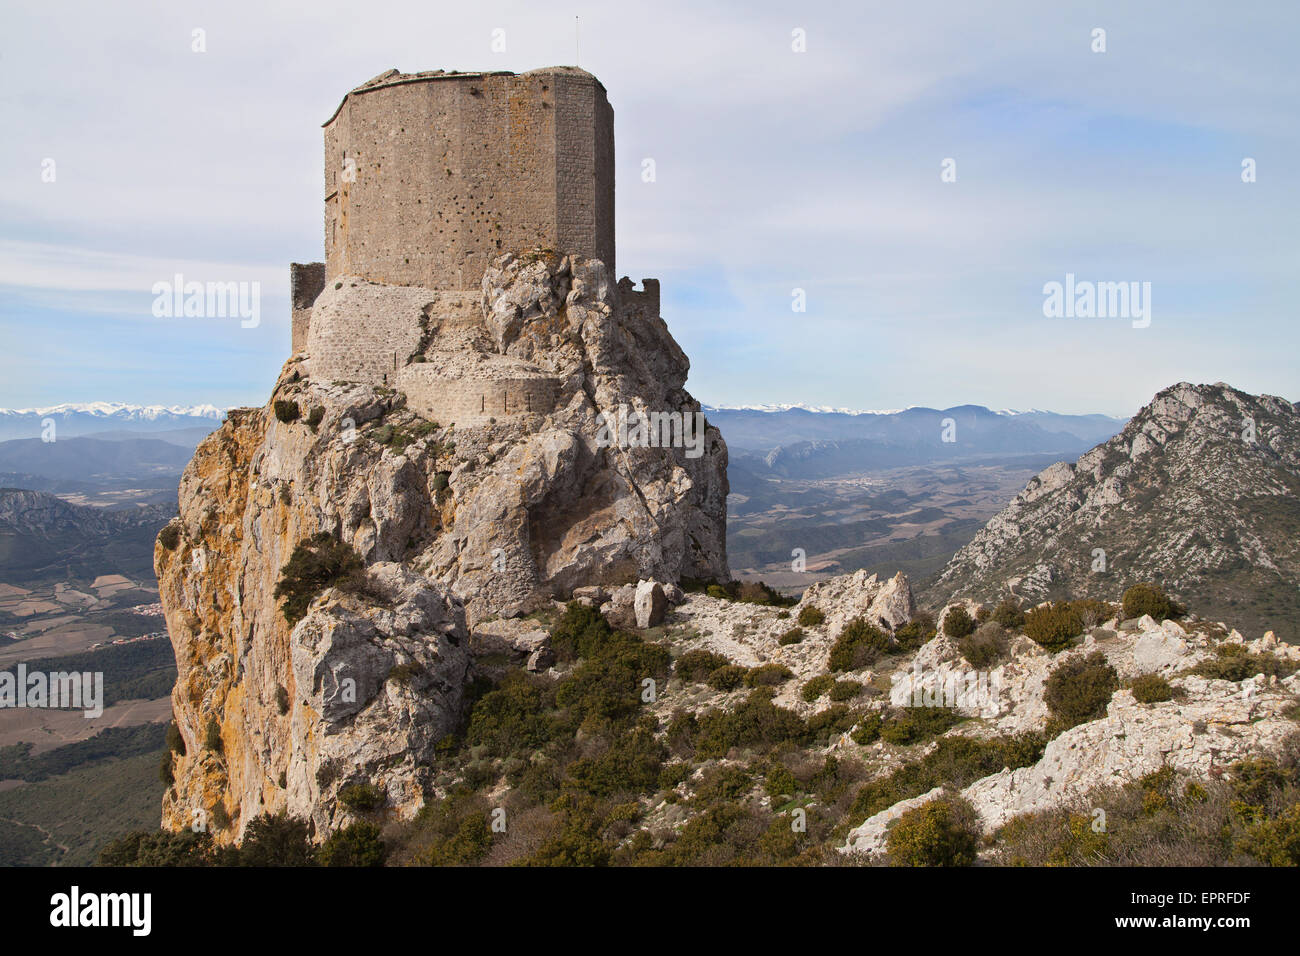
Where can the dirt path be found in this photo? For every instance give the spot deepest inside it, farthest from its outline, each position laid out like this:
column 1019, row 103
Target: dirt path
column 48, row 837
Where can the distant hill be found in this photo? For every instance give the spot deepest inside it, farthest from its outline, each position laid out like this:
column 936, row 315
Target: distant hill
column 801, row 443
column 1181, row 497
column 40, row 534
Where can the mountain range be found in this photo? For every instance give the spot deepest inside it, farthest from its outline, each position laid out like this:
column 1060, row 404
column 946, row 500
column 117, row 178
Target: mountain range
column 90, row 418
column 796, row 442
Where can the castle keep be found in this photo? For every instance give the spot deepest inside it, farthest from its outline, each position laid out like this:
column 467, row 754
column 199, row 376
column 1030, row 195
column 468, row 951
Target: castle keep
column 430, row 177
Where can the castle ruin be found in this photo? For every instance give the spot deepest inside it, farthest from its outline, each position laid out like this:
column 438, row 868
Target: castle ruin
column 429, row 178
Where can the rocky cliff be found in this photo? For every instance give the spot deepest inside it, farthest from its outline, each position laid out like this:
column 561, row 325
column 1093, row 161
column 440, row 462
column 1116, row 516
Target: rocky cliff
column 455, row 525
column 1200, row 492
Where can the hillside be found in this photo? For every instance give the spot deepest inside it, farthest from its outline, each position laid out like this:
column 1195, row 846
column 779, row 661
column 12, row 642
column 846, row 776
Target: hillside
column 41, row 534
column 1186, row 496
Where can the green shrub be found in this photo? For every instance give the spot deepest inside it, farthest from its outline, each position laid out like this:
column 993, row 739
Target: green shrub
column 357, row 844
column 317, row 563
column 455, row 830
column 985, row 645
column 845, row 690
column 580, row 632
column 170, row 536
column 717, row 591
column 165, row 770
column 1008, row 614
column 607, row 684
column 957, row 623
column 859, row 644
column 632, row 763
column 361, row 797
column 811, row 616
column 1091, row 613
column 1149, row 599
column 793, row 636
column 1053, row 626
column 1234, row 662
column 755, row 723
column 1276, row 842
column 835, row 719
column 943, row 832
column 1080, row 689
column 315, row 417
column 919, row 630
column 723, row 783
column 780, row 782
column 767, row 675
column 282, row 699
column 814, row 687
column 696, row 666
column 1151, row 689
column 868, row 729
column 278, row 840
column 727, row 677
column 910, row 725
column 516, row 716
column 158, row 848
column 441, row 481
column 286, row 410
column 212, row 736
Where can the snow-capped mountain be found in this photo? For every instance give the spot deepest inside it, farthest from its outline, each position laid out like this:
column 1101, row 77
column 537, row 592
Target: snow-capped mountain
column 73, row 420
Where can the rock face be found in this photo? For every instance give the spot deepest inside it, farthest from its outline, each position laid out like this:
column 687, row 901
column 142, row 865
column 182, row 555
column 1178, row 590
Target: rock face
column 1199, row 492
column 456, row 523
column 1217, row 724
column 1207, row 726
column 887, row 604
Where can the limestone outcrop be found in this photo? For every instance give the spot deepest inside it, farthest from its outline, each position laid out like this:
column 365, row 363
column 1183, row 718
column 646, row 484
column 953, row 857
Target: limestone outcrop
column 456, row 524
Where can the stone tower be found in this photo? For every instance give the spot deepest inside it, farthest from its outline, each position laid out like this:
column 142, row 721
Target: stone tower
column 430, row 176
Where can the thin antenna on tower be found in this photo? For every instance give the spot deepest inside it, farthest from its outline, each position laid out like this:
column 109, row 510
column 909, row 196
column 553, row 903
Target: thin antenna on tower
column 575, row 42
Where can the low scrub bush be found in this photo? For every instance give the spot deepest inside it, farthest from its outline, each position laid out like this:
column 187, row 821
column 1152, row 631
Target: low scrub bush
column 1008, row 614
column 859, row 644
column 1053, row 626
column 985, row 645
column 958, row 623
column 1151, row 689
column 317, row 563
column 942, row 832
column 1149, row 599
column 1080, row 689
column 814, row 687
column 811, row 616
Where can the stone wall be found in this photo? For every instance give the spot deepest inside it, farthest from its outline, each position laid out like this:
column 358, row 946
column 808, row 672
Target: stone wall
column 476, row 400
column 306, row 281
column 643, row 304
column 430, row 176
column 366, row 332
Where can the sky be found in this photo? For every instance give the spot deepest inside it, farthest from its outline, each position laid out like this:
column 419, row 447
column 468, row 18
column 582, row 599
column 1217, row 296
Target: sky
column 799, row 153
